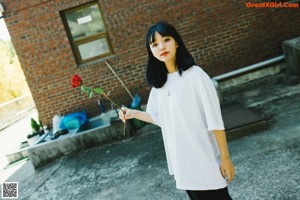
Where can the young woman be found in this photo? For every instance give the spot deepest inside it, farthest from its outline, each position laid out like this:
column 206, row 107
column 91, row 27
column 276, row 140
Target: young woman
column 184, row 103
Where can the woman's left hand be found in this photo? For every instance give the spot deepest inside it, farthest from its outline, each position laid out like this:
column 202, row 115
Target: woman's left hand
column 227, row 169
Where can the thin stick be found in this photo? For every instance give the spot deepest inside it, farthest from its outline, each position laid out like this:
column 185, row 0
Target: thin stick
column 119, row 79
column 106, row 96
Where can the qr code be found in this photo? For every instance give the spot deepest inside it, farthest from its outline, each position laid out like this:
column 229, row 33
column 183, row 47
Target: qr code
column 10, row 190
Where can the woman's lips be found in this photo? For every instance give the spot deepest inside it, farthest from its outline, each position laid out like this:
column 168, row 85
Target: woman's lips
column 164, row 54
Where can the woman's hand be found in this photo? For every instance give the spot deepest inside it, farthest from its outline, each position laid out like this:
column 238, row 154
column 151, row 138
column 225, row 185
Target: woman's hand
column 126, row 113
column 226, row 166
column 227, row 169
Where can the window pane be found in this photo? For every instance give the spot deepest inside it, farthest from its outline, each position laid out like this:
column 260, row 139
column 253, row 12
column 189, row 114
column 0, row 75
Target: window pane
column 93, row 48
column 85, row 22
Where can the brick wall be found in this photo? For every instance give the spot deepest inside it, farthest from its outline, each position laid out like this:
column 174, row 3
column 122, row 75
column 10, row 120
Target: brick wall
column 221, row 35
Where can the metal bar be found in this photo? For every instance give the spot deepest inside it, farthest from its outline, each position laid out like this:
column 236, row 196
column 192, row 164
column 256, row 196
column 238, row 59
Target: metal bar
column 14, row 100
column 247, row 69
column 13, row 110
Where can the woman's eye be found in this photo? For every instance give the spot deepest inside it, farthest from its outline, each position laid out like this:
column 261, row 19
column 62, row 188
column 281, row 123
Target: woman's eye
column 167, row 39
column 154, row 45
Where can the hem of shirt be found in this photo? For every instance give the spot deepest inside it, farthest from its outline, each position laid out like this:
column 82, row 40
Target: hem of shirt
column 212, row 187
column 217, row 128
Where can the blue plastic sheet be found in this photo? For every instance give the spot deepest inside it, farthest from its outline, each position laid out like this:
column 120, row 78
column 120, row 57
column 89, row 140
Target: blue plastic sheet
column 74, row 120
column 136, row 101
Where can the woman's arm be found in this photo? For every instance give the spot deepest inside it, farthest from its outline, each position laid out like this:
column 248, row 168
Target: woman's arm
column 130, row 113
column 226, row 165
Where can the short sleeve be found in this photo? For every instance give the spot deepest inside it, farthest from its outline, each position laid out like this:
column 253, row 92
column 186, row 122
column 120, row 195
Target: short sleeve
column 211, row 103
column 152, row 107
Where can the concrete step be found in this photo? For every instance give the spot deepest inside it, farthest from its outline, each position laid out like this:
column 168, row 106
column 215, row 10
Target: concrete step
column 240, row 121
column 17, row 155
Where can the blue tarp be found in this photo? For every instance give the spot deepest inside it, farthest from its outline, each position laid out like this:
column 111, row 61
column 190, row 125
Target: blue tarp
column 74, row 120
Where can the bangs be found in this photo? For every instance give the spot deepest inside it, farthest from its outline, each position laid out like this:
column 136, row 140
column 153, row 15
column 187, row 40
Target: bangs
column 160, row 30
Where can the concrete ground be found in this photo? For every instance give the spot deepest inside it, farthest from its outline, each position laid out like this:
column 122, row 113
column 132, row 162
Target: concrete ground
column 267, row 163
column 10, row 140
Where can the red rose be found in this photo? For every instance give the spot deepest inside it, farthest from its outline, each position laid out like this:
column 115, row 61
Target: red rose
column 76, row 81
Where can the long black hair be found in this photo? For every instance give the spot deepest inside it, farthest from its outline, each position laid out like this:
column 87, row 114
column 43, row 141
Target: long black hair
column 156, row 71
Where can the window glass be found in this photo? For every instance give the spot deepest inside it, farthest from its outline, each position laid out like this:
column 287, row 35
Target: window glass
column 85, row 22
column 93, row 48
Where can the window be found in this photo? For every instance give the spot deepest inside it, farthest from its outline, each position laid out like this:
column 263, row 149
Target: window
column 87, row 32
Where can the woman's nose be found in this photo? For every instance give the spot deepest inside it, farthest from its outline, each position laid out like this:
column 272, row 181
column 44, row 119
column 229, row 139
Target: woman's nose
column 161, row 46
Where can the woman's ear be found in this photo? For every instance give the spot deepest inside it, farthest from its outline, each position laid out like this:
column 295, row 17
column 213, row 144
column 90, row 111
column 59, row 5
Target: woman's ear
column 176, row 45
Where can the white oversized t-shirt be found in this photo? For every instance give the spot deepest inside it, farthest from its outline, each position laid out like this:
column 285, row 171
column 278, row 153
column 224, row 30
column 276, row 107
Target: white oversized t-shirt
column 188, row 110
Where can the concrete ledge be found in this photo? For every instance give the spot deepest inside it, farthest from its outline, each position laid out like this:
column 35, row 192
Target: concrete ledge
column 43, row 153
column 246, row 130
column 254, row 75
column 17, row 155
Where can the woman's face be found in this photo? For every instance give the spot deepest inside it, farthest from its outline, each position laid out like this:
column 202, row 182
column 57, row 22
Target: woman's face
column 164, row 48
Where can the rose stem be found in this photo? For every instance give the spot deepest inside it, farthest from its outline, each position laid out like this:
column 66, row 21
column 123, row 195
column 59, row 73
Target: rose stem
column 106, row 96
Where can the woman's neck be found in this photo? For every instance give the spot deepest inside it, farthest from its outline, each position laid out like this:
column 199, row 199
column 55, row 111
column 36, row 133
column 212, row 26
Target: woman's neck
column 171, row 67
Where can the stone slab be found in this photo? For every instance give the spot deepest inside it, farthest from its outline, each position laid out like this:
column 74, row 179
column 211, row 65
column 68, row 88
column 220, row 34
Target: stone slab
column 235, row 116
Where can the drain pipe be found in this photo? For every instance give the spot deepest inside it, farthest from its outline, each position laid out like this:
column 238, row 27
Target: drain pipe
column 249, row 68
